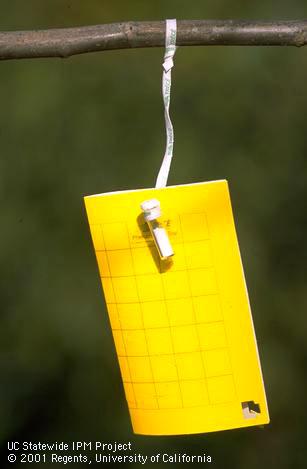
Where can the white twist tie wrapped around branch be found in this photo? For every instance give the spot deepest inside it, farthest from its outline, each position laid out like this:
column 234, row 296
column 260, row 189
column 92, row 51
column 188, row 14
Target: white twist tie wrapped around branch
column 170, row 49
column 151, row 208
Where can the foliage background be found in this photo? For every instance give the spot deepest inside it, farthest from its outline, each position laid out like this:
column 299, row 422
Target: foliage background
column 94, row 123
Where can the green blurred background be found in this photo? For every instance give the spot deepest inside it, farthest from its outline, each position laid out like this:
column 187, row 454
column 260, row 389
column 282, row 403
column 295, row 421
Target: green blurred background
column 94, row 123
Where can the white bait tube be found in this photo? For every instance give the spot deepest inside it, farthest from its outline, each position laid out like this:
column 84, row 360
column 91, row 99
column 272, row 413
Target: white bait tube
column 152, row 211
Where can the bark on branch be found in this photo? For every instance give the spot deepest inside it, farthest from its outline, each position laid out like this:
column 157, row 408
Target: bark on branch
column 71, row 41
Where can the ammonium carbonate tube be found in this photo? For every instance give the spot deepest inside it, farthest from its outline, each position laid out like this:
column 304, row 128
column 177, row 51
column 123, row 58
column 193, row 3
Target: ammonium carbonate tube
column 152, row 211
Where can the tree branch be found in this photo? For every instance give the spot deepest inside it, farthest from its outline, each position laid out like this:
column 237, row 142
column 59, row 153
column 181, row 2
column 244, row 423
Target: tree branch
column 79, row 40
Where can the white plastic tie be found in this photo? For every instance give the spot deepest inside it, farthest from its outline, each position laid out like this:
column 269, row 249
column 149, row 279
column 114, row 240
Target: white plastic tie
column 170, row 49
column 151, row 208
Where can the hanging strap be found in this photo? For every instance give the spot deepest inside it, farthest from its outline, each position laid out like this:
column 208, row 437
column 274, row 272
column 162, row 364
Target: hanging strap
column 170, row 49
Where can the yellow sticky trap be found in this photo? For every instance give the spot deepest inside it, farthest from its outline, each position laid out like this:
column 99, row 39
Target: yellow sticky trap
column 182, row 326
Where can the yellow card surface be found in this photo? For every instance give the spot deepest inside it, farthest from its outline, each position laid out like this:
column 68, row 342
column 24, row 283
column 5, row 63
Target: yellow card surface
column 182, row 328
